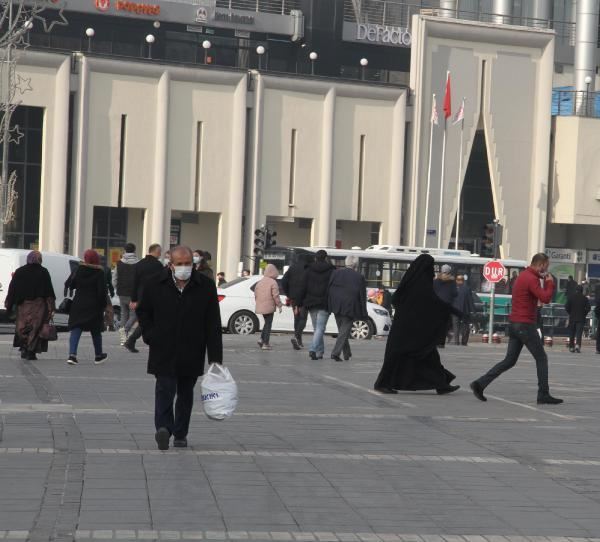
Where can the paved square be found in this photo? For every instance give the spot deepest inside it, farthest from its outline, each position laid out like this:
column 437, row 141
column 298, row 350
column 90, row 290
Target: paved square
column 313, row 454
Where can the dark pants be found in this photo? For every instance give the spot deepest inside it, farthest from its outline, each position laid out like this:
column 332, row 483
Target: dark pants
column 167, row 387
column 300, row 318
column 133, row 337
column 266, row 330
column 521, row 335
column 461, row 329
column 76, row 335
column 344, row 324
column 575, row 333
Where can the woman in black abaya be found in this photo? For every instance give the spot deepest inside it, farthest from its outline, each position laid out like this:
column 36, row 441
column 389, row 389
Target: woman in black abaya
column 412, row 361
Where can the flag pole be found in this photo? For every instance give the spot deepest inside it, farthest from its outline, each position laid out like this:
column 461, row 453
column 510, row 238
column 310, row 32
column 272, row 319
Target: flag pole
column 460, row 161
column 442, row 187
column 431, row 122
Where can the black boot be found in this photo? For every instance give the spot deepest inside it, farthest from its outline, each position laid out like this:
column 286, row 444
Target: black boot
column 547, row 399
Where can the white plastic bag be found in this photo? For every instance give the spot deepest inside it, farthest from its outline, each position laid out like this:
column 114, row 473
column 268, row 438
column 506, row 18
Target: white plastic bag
column 219, row 392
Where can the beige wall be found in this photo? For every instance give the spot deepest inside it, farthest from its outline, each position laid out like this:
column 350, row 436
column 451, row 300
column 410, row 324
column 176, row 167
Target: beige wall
column 290, row 234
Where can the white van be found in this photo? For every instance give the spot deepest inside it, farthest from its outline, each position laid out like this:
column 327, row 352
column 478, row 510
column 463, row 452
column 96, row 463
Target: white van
column 59, row 266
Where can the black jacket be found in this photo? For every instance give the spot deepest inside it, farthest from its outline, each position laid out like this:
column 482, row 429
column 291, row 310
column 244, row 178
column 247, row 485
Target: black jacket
column 578, row 306
column 91, row 298
column 445, row 288
column 315, row 286
column 464, row 301
column 146, row 269
column 125, row 278
column 293, row 281
column 180, row 328
column 348, row 294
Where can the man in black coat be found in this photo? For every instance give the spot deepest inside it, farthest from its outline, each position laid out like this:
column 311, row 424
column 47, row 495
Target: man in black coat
column 577, row 306
column 463, row 303
column 291, row 284
column 181, row 322
column 347, row 300
column 144, row 270
column 444, row 287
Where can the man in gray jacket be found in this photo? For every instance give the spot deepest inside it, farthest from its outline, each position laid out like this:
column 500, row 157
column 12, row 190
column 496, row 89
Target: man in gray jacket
column 348, row 302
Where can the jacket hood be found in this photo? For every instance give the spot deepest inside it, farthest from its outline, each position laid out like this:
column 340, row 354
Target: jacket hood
column 321, row 267
column 445, row 277
column 271, row 271
column 129, row 257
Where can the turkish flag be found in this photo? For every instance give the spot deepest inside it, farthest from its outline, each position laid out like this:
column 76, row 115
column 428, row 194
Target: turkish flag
column 447, row 98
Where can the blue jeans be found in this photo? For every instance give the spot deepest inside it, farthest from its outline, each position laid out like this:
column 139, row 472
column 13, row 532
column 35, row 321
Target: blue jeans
column 319, row 319
column 74, row 341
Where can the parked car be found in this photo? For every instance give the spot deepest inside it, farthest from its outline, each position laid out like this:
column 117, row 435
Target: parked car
column 236, row 300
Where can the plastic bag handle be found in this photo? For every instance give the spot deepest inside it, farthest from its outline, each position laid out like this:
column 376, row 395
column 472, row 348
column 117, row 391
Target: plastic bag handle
column 216, row 366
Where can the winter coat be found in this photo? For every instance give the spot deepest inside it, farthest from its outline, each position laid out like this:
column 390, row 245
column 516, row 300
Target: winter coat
column 293, row 281
column 463, row 301
column 347, row 294
column 146, row 269
column 578, row 306
column 181, row 328
column 444, row 287
column 123, row 275
column 91, row 297
column 315, row 286
column 266, row 292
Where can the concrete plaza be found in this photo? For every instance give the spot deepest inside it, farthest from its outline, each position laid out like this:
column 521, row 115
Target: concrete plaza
column 313, row 454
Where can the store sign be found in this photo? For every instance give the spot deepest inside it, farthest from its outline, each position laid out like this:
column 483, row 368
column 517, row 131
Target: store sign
column 565, row 255
column 593, row 256
column 135, row 8
column 230, row 17
column 377, row 34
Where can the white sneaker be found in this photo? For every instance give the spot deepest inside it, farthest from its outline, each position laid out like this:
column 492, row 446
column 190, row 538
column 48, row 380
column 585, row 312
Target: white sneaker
column 123, row 335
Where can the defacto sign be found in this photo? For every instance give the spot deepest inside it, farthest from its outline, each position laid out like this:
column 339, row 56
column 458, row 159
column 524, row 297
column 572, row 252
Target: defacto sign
column 377, row 34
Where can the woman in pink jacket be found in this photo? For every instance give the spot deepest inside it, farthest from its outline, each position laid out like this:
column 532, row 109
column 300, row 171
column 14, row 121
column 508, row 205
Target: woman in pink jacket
column 266, row 295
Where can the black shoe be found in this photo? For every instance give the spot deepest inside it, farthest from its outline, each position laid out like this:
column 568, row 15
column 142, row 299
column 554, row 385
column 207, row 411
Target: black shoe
column 131, row 348
column 444, row 391
column 548, row 400
column 295, row 344
column 180, row 443
column 260, row 344
column 571, row 349
column 100, row 359
column 577, row 350
column 347, row 358
column 312, row 355
column 477, row 390
column 336, row 358
column 300, row 343
column 25, row 355
column 31, row 357
column 386, row 390
column 72, row 360
column 162, row 438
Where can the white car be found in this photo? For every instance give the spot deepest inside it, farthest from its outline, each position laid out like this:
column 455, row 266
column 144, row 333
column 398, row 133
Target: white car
column 236, row 300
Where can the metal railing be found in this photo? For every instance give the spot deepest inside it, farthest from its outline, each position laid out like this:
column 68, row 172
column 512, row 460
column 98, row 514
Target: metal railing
column 279, row 7
column 570, row 103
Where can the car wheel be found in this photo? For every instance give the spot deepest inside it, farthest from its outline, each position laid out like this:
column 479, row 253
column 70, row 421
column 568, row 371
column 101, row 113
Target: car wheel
column 362, row 330
column 243, row 323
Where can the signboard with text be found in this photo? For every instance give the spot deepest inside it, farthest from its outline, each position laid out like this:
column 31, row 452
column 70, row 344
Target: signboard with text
column 494, row 271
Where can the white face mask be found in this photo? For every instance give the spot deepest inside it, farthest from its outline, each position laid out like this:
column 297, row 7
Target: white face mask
column 196, row 259
column 182, row 272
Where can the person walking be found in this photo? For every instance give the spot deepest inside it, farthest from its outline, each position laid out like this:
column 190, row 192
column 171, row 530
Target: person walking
column 444, row 287
column 463, row 303
column 221, row 279
column 412, row 361
column 109, row 313
column 201, row 263
column 30, row 291
column 148, row 267
column 347, row 300
column 292, row 284
column 122, row 278
column 89, row 303
column 522, row 329
column 313, row 297
column 180, row 321
column 570, row 287
column 577, row 307
column 266, row 296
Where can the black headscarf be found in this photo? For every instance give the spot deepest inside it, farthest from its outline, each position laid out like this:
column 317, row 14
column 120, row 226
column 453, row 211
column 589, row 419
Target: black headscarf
column 418, row 280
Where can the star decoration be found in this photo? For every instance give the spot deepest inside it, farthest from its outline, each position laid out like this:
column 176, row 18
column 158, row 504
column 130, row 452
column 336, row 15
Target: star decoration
column 23, row 84
column 15, row 135
column 51, row 17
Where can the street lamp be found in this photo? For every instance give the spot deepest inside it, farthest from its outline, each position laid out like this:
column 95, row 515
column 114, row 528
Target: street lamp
column 313, row 57
column 588, row 82
column 260, row 51
column 206, row 45
column 364, row 63
column 27, row 26
column 90, row 33
column 150, row 39
column 156, row 24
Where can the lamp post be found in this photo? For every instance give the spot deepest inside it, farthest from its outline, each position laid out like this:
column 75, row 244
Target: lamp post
column 206, row 45
column 150, row 39
column 260, row 51
column 27, row 26
column 363, row 63
column 588, row 82
column 90, row 33
column 313, row 58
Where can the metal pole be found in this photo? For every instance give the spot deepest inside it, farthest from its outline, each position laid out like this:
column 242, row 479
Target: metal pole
column 492, row 304
column 460, row 161
column 428, row 182
column 442, row 187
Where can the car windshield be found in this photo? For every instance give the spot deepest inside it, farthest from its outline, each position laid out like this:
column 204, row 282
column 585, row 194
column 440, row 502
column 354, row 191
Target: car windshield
column 233, row 282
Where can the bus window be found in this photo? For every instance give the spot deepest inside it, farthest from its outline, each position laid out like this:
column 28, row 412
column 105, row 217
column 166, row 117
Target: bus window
column 398, row 268
column 371, row 270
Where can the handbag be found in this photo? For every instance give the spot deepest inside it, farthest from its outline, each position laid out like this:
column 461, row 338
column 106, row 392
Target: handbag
column 65, row 305
column 48, row 331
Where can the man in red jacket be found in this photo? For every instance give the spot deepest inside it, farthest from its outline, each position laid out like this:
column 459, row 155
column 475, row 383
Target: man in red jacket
column 522, row 331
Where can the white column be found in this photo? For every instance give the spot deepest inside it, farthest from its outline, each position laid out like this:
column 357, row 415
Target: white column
column 52, row 214
column 324, row 226
column 394, row 221
column 158, row 217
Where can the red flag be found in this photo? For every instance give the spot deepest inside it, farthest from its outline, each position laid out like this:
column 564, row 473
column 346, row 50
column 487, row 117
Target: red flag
column 447, row 98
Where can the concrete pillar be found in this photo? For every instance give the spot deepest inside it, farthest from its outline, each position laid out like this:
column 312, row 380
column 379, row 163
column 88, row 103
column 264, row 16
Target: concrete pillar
column 542, row 13
column 448, row 8
column 586, row 41
column 502, row 11
column 54, row 189
column 323, row 235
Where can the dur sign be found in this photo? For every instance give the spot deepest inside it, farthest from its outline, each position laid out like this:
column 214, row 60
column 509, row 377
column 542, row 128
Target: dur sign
column 387, row 35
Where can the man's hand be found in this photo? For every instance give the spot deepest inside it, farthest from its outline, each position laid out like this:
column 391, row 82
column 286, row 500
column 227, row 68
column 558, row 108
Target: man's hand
column 133, row 305
column 548, row 278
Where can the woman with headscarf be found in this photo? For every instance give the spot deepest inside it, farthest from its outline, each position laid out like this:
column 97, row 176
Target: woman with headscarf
column 412, row 361
column 31, row 291
column 89, row 303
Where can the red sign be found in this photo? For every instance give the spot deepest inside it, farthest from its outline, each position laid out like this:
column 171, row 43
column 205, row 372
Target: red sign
column 103, row 5
column 494, row 271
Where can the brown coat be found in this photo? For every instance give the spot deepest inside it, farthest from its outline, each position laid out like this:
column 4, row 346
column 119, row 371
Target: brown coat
column 266, row 292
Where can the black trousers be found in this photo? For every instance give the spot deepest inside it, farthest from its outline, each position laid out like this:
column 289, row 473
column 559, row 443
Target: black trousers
column 177, row 421
column 521, row 335
column 344, row 324
column 575, row 333
column 134, row 336
column 265, row 335
column 300, row 319
column 461, row 330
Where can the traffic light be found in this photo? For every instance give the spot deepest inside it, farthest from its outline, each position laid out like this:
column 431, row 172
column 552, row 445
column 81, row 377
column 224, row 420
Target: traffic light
column 270, row 238
column 492, row 239
column 260, row 241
